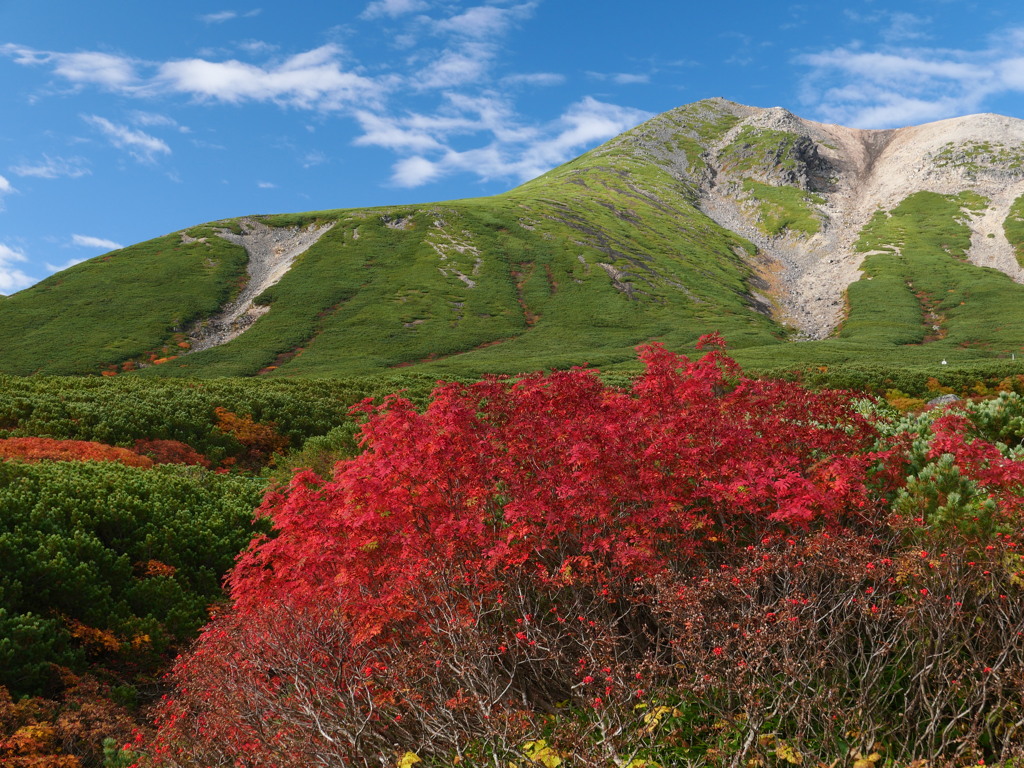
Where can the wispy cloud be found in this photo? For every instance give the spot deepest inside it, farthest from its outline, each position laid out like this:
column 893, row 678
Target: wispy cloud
column 313, row 159
column 266, row 185
column 537, row 150
column 895, row 26
column 89, row 67
column 138, row 144
column 11, row 278
column 892, row 86
column 86, row 241
column 5, row 189
column 457, row 67
column 440, row 108
column 61, row 267
column 534, row 79
column 314, row 79
column 485, row 20
column 54, row 168
column 157, row 120
column 621, row 78
column 393, row 8
column 222, row 16
column 310, row 80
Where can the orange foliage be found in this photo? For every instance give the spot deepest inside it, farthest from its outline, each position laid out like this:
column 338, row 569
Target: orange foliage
column 39, row 448
column 63, row 733
column 156, row 568
column 92, row 638
column 261, row 440
column 170, row 452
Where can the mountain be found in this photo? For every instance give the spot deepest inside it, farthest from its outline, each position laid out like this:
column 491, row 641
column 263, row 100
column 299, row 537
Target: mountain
column 801, row 243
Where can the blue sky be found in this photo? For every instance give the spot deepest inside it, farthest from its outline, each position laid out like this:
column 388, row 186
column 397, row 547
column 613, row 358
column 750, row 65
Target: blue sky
column 123, row 121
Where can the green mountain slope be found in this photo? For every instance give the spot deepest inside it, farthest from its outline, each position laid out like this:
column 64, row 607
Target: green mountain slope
column 608, row 251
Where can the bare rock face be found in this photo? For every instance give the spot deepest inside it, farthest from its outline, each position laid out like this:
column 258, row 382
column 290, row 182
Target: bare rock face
column 272, row 250
column 848, row 174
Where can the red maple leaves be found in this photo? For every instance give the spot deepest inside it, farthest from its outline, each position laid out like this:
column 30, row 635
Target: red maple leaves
column 552, row 485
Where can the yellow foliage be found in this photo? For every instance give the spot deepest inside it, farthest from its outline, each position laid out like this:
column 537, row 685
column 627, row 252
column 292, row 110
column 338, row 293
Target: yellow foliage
column 539, row 752
column 788, row 753
column 903, row 402
column 408, row 760
column 653, row 719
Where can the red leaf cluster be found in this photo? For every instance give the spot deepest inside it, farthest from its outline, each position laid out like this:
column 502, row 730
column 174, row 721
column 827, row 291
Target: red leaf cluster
column 40, row 448
column 552, row 468
column 170, row 452
column 553, row 492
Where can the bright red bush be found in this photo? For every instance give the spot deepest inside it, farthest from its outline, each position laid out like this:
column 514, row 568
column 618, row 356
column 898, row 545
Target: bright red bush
column 554, row 486
column 40, row 448
column 553, row 468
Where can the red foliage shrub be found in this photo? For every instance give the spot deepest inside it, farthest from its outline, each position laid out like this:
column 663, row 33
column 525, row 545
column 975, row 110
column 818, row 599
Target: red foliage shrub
column 557, row 469
column 170, row 452
column 554, row 502
column 39, row 448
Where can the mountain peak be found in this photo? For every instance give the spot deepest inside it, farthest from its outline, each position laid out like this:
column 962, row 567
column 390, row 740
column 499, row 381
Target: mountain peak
column 714, row 216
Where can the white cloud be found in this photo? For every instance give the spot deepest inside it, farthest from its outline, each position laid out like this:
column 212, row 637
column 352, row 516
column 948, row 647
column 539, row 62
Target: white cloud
column 257, row 46
column 534, row 78
column 392, row 8
column 620, row 78
column 155, row 119
column 105, row 69
column 5, row 189
column 393, row 133
column 11, row 278
column 905, row 26
column 457, row 67
column 624, row 78
column 485, row 20
column 896, row 86
column 54, row 168
column 60, row 267
column 313, row 159
column 584, row 123
column 310, row 80
column 266, row 185
column 526, row 152
column 222, row 16
column 217, row 18
column 415, row 171
column 139, row 144
column 85, row 241
column 460, row 115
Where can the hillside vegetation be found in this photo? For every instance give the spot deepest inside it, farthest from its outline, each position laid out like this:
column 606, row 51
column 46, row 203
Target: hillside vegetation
column 608, row 251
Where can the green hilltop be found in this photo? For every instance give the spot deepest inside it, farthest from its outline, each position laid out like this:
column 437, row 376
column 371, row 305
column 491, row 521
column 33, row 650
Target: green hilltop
column 579, row 266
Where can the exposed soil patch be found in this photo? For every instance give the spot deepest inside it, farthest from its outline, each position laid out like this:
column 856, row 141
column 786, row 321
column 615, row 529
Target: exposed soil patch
column 521, row 274
column 271, row 253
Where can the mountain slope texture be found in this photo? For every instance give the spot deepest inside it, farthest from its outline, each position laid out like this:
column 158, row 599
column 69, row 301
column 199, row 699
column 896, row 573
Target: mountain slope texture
column 799, row 242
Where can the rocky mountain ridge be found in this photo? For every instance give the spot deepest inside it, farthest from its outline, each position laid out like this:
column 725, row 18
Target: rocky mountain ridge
column 852, row 173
